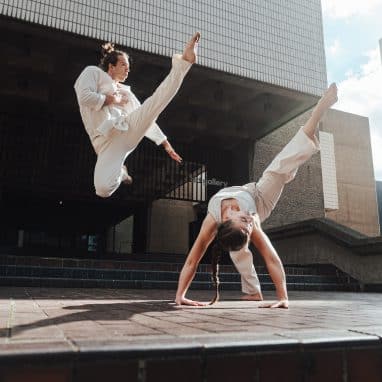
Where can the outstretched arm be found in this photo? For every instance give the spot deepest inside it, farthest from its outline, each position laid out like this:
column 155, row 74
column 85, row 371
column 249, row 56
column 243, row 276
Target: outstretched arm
column 206, row 235
column 171, row 152
column 274, row 266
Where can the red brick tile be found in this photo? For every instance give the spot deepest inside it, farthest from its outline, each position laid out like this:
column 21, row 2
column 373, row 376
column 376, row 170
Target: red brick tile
column 174, row 370
column 103, row 371
column 285, row 367
column 323, row 366
column 228, row 368
column 36, row 374
column 365, row 365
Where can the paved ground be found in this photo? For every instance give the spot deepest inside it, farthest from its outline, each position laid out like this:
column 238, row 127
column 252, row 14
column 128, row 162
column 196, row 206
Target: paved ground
column 66, row 320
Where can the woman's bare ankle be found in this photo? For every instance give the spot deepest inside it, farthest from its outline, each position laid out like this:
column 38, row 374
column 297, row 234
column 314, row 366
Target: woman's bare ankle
column 189, row 53
column 252, row 297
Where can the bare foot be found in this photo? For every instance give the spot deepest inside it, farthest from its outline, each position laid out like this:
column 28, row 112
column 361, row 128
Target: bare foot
column 127, row 179
column 252, row 297
column 328, row 99
column 190, row 50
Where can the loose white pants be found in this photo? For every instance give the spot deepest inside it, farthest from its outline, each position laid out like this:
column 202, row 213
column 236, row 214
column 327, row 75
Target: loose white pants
column 113, row 150
column 267, row 192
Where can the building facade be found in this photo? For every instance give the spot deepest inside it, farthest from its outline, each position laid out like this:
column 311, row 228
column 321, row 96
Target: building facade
column 337, row 183
column 348, row 195
column 260, row 65
column 379, row 197
column 275, row 42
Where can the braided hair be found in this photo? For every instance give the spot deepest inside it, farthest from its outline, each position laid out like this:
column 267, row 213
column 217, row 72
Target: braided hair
column 110, row 56
column 228, row 238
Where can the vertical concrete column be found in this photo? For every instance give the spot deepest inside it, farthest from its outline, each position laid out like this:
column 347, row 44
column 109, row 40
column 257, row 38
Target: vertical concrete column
column 140, row 229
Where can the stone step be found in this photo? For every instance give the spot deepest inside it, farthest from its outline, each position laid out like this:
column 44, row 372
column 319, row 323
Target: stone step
column 315, row 269
column 59, row 282
column 152, row 275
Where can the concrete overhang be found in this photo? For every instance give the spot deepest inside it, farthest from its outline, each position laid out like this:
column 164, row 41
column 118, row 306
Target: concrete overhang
column 211, row 107
column 217, row 107
column 213, row 111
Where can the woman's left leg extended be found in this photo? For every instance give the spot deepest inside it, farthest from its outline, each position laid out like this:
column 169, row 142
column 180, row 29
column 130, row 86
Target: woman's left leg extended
column 266, row 194
column 282, row 170
column 109, row 170
column 140, row 120
column 284, row 167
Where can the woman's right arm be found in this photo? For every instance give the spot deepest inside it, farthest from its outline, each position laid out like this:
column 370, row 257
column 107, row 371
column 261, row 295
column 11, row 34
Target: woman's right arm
column 206, row 235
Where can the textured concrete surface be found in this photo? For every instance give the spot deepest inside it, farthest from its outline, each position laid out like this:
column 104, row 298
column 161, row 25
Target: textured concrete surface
column 358, row 207
column 34, row 321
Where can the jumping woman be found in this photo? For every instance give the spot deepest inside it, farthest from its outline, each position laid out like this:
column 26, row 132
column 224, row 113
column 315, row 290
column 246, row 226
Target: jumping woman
column 235, row 214
column 114, row 118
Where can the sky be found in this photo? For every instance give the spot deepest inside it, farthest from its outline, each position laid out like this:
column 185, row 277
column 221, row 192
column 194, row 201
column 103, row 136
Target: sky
column 352, row 30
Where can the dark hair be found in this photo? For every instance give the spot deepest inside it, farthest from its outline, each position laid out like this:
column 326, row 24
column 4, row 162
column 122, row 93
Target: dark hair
column 228, row 238
column 110, row 56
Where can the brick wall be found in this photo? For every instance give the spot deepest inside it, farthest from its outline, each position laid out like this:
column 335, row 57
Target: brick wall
column 358, row 208
column 302, row 198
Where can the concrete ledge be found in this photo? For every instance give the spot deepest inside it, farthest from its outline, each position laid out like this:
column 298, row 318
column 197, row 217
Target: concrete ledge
column 73, row 335
column 323, row 241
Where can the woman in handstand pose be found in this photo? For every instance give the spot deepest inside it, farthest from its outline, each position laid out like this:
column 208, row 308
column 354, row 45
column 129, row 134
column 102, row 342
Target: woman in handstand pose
column 235, row 213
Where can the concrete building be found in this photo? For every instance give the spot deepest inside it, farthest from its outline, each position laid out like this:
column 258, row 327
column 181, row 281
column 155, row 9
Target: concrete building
column 337, row 184
column 261, row 65
column 379, row 196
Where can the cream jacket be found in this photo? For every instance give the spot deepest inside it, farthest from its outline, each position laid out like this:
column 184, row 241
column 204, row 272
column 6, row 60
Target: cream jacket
column 91, row 88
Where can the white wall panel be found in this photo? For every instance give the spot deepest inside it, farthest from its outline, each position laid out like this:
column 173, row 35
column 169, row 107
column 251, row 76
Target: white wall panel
column 329, row 172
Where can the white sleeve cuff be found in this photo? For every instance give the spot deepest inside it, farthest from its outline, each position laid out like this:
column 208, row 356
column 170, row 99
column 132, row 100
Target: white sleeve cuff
column 155, row 134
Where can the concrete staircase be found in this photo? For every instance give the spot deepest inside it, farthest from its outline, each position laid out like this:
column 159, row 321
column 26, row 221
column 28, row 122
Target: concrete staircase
column 139, row 274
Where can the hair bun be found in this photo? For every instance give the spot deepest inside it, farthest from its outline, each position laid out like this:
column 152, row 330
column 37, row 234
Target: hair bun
column 107, row 48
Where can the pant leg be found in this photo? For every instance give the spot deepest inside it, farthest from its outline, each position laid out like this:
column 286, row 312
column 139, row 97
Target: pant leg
column 243, row 261
column 108, row 172
column 266, row 193
column 281, row 171
column 141, row 119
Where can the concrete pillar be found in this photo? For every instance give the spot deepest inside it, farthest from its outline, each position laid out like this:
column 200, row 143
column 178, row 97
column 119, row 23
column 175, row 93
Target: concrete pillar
column 20, row 238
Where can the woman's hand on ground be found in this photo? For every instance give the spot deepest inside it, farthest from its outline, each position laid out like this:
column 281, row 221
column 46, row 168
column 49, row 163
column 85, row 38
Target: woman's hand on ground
column 284, row 304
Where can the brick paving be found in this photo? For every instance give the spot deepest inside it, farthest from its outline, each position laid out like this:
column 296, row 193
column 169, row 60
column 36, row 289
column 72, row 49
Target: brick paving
column 41, row 320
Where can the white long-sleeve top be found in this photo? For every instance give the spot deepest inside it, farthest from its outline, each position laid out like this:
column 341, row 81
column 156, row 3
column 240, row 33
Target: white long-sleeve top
column 91, row 88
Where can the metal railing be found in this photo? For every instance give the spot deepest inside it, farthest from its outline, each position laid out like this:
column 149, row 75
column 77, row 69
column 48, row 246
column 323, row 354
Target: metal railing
column 49, row 156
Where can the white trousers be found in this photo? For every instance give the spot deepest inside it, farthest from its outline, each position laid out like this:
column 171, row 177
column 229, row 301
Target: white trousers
column 113, row 150
column 267, row 192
